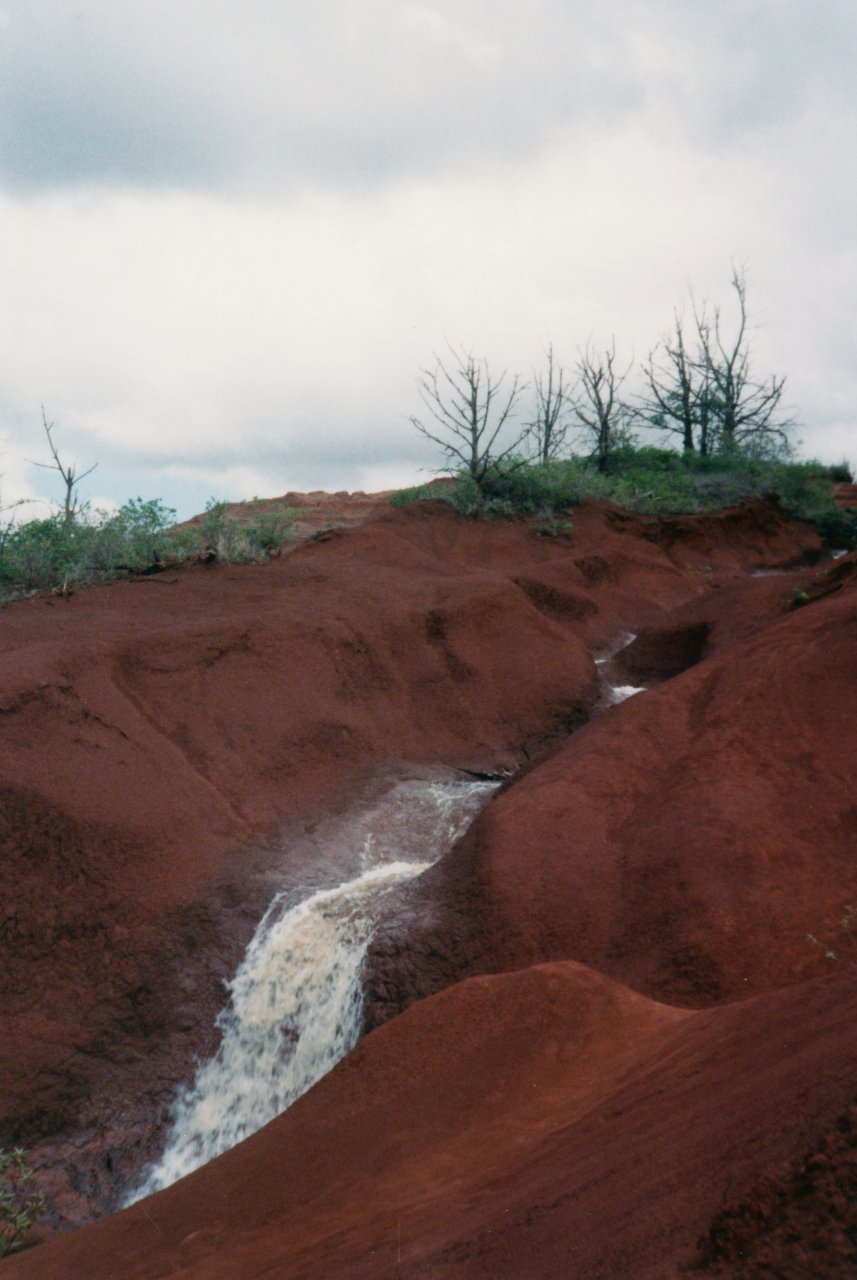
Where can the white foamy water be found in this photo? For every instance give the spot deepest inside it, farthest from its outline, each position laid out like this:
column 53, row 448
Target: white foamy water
column 615, row 693
column 620, row 692
column 296, row 1001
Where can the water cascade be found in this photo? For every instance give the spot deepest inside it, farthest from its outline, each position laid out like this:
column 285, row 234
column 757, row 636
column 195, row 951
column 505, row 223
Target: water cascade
column 295, row 1002
column 614, row 693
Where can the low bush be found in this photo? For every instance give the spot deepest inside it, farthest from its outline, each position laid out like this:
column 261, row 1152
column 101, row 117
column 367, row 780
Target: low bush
column 21, row 1201
column 58, row 552
column 244, row 538
column 651, row 481
column 420, row 493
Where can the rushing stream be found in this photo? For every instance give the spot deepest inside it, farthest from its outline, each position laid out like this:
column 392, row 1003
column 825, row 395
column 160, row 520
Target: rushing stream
column 296, row 1001
column 613, row 693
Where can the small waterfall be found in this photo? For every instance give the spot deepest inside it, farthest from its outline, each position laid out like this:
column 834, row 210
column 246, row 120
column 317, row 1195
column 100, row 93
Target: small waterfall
column 296, row 1001
column 615, row 693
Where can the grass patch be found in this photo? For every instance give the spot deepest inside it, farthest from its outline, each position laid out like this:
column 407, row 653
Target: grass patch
column 652, row 481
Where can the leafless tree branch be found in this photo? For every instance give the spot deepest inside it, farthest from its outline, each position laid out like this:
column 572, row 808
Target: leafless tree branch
column 740, row 406
column 603, row 416
column 72, row 507
column 471, row 407
column 553, row 402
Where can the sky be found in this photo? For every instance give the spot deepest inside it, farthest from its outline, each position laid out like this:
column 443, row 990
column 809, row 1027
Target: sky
column 232, row 232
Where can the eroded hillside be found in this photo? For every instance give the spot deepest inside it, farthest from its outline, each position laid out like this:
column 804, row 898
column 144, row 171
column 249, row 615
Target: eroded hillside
column 626, row 1016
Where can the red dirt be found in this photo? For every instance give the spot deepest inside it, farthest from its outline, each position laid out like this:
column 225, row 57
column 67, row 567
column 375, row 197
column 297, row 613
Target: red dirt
column 541, row 1123
column 162, row 739
column 846, row 495
column 687, row 841
column 315, row 514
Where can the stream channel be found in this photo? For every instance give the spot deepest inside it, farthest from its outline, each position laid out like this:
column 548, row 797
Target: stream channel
column 296, row 1001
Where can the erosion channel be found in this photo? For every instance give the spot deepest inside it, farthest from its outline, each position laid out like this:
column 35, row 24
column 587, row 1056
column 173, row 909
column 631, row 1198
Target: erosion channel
column 297, row 1000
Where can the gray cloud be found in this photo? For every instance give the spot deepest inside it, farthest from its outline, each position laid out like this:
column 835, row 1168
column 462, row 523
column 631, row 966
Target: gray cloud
column 268, row 94
column 231, row 234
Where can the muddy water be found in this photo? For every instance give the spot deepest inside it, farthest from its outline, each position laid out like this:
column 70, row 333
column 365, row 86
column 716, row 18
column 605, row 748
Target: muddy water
column 296, row 1001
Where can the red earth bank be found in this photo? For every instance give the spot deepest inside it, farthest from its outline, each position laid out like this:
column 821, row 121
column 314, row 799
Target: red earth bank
column 685, row 842
column 160, row 739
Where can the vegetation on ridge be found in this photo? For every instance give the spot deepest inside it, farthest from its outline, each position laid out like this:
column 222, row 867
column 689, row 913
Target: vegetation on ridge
column 699, row 391
column 652, row 481
column 60, row 552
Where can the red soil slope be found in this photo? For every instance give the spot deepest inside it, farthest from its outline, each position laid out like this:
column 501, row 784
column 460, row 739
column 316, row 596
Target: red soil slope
column 686, row 841
column 846, row 496
column 546, row 1123
column 158, row 739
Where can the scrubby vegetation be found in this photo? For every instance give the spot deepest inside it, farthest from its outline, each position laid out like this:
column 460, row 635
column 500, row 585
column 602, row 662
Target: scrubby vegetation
column 62, row 551
column 21, row 1201
column 651, row 481
column 729, row 427
column 700, row 394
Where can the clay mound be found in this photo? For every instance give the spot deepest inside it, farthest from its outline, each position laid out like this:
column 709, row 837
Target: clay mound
column 544, row 1123
column 660, row 652
column 687, row 842
column 158, row 734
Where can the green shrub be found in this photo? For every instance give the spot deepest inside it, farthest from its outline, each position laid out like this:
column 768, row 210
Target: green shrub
column 650, row 481
column 236, row 541
column 139, row 534
column 418, row 493
column 56, row 551
column 59, row 552
column 553, row 526
column 547, row 486
column 21, row 1202
column 270, row 530
column 43, row 553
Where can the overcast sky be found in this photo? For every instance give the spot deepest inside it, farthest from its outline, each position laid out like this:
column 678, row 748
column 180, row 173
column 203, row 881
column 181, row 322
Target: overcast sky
column 232, row 231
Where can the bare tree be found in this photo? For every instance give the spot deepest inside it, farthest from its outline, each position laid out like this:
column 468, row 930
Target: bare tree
column 72, row 507
column 471, row 410
column 678, row 398
column 605, row 418
column 740, row 406
column 553, row 401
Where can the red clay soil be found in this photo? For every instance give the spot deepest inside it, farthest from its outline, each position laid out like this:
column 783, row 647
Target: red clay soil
column 806, row 1211
column 314, row 513
column 544, row 1123
column 687, row 841
column 164, row 743
column 846, row 496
